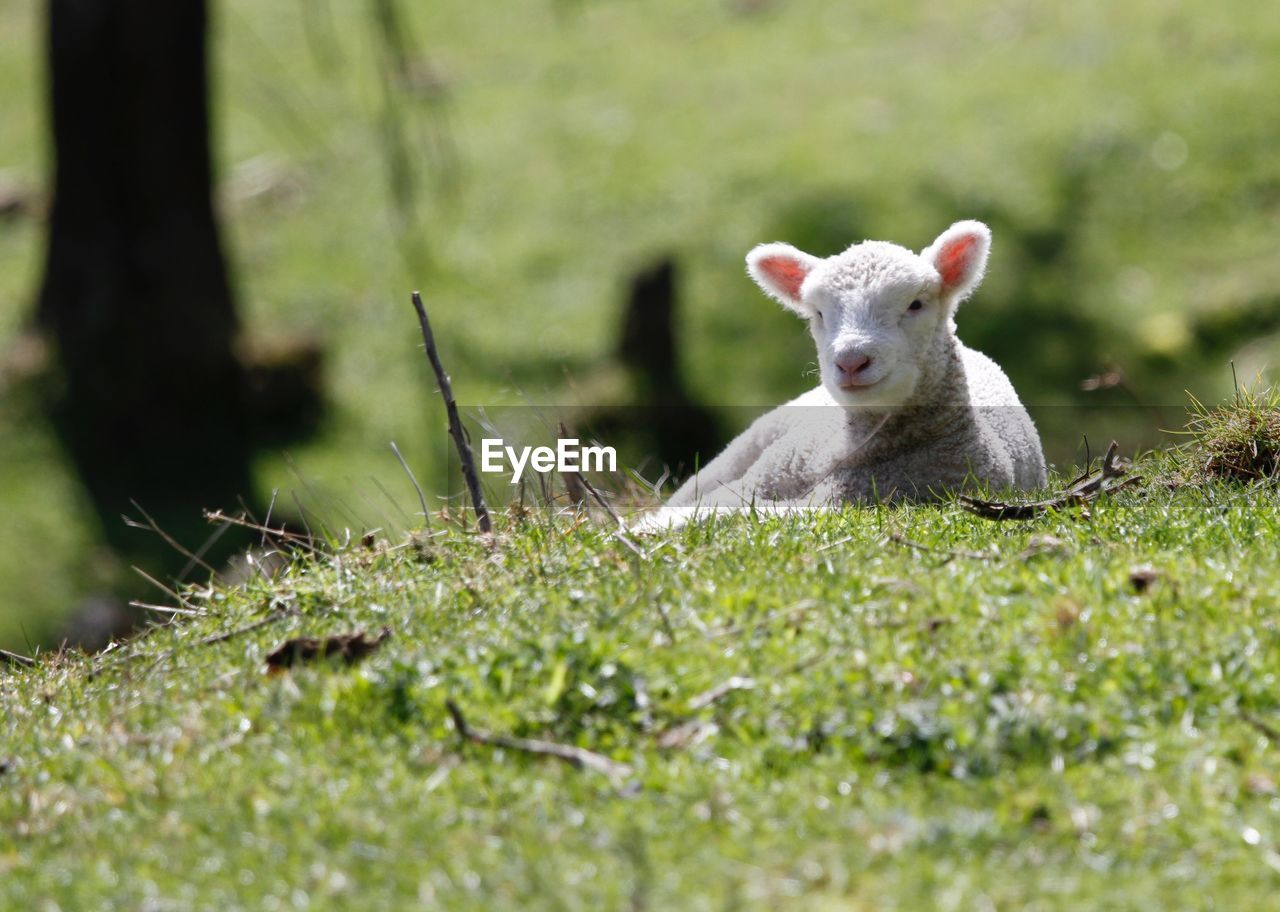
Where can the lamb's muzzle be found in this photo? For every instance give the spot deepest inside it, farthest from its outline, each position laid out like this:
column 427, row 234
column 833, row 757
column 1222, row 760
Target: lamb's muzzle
column 854, row 371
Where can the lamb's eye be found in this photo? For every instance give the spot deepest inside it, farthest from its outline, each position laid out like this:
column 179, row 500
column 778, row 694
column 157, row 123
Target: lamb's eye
column 916, row 305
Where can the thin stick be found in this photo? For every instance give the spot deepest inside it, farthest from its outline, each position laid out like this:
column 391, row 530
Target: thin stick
column 687, row 732
column 266, row 520
column 12, row 658
column 621, row 533
column 209, row 542
column 579, row 757
column 213, row 640
column 572, row 480
column 104, row 663
column 600, row 499
column 162, row 587
column 247, row 628
column 168, row 539
column 302, row 514
column 455, row 423
column 282, row 535
column 573, row 487
column 836, row 544
column 422, row 498
column 635, row 549
column 168, row 609
column 707, row 698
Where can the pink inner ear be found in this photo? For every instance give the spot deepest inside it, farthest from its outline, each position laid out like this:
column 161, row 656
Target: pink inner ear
column 786, row 273
column 954, row 259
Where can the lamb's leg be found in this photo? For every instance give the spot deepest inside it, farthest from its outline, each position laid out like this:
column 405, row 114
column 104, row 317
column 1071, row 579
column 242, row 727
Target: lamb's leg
column 732, row 464
column 668, row 518
column 713, row 489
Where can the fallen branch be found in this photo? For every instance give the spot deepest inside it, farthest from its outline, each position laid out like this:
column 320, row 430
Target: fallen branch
column 456, row 430
column 578, row 757
column 12, row 658
column 686, row 733
column 1080, row 491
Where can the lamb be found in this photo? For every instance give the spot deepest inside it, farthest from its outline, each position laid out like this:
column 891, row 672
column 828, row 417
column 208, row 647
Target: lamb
column 904, row 411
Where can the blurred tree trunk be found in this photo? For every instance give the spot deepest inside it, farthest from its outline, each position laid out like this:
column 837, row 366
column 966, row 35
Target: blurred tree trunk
column 135, row 289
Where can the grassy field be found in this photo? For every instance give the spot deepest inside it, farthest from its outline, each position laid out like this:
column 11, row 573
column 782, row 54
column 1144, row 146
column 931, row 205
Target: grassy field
column 1123, row 155
column 895, row 708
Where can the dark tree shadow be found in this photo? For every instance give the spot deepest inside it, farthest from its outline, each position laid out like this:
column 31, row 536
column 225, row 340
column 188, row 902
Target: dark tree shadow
column 157, row 404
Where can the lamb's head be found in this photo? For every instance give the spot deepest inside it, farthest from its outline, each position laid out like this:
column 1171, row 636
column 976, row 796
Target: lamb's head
column 881, row 316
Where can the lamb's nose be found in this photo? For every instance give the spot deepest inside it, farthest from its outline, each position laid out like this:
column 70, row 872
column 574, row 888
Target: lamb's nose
column 852, row 365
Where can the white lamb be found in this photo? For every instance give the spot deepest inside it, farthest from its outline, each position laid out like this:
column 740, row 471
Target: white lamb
column 905, row 409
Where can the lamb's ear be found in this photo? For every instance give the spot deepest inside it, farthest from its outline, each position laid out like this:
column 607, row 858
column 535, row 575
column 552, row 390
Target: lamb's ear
column 780, row 270
column 960, row 256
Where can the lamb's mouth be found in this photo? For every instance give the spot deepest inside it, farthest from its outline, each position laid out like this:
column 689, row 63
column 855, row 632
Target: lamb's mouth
column 858, row 387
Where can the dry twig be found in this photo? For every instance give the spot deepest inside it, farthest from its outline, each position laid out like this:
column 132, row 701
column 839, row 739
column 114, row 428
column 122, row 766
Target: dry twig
column 578, row 487
column 12, row 658
column 573, row 481
column 186, row 607
column 194, row 559
column 456, row 430
column 1080, row 491
column 282, row 535
column 168, row 609
column 247, row 628
column 720, row 691
column 578, row 757
column 686, row 733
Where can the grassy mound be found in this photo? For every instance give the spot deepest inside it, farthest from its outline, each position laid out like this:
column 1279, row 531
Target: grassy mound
column 907, row 708
column 1238, row 440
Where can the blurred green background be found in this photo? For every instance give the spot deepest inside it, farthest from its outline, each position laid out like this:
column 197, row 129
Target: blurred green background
column 532, row 157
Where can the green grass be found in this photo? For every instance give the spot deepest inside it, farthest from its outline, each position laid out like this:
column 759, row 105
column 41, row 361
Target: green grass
column 1132, row 143
column 1239, row 439
column 924, row 730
